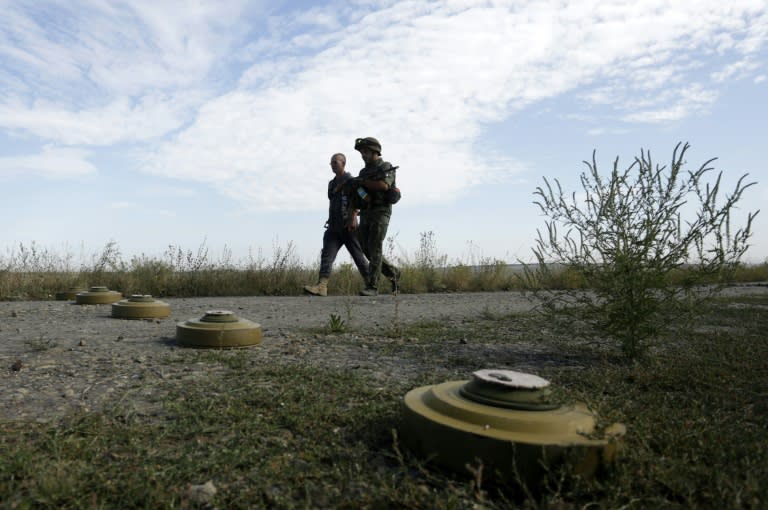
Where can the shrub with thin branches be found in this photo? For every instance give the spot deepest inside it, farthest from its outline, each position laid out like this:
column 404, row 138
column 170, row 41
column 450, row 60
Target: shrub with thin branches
column 628, row 234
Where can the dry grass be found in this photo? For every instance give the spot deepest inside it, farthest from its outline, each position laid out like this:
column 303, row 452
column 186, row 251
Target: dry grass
column 32, row 272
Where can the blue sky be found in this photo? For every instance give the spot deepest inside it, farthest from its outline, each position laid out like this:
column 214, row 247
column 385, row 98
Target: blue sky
column 156, row 123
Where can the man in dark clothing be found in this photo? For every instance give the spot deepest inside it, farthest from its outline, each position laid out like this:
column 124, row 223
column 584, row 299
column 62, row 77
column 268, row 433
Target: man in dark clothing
column 340, row 229
column 374, row 181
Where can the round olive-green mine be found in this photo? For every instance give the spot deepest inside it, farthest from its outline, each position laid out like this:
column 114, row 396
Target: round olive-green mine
column 218, row 329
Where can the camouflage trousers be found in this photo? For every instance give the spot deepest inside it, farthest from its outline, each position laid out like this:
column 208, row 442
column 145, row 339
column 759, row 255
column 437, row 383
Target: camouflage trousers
column 372, row 232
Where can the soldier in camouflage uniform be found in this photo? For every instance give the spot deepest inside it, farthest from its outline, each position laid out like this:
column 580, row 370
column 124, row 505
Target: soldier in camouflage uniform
column 372, row 184
column 340, row 229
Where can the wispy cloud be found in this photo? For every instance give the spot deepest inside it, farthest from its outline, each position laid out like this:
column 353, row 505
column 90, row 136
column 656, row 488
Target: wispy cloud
column 122, row 120
column 139, row 208
column 604, row 131
column 52, row 162
column 746, row 67
column 94, row 72
column 427, row 78
column 674, row 105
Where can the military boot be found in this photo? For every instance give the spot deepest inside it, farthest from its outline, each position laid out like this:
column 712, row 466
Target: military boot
column 321, row 289
column 369, row 292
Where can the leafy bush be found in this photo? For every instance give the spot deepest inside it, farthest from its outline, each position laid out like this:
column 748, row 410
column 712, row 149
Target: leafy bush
column 628, row 234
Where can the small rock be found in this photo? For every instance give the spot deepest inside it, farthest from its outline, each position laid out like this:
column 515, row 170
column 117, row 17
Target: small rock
column 68, row 393
column 16, row 366
column 81, row 343
column 119, row 338
column 14, row 314
column 200, row 493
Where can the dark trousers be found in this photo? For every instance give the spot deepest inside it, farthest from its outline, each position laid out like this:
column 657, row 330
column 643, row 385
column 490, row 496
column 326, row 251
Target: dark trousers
column 372, row 231
column 332, row 243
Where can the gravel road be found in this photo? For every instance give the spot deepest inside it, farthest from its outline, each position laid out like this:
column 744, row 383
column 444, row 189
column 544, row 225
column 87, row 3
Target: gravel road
column 62, row 322
column 57, row 357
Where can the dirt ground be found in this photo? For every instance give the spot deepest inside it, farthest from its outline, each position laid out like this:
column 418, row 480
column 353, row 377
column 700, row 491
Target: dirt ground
column 57, row 357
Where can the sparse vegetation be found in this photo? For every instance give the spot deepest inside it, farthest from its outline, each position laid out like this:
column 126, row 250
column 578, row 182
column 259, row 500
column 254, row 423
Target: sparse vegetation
column 41, row 343
column 33, row 272
column 624, row 235
column 336, row 324
column 301, row 436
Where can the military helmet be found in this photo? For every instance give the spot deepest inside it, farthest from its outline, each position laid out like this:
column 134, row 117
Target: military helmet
column 369, row 142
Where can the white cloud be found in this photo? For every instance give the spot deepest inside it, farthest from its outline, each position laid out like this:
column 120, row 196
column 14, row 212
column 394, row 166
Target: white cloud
column 52, row 162
column 166, row 192
column 119, row 47
column 605, row 131
column 136, row 208
column 95, row 72
column 121, row 120
column 426, row 78
column 740, row 68
column 672, row 107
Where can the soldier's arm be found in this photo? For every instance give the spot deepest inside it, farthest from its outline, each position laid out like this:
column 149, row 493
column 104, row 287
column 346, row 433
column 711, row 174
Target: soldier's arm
column 375, row 185
column 381, row 181
column 349, row 185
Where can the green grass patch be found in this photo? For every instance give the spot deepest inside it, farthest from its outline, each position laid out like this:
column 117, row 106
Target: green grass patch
column 278, row 437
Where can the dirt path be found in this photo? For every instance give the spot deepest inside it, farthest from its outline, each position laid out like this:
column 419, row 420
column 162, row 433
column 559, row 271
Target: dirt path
column 57, row 357
column 34, row 323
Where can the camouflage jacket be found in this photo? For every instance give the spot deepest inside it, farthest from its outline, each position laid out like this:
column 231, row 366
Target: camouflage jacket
column 379, row 170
